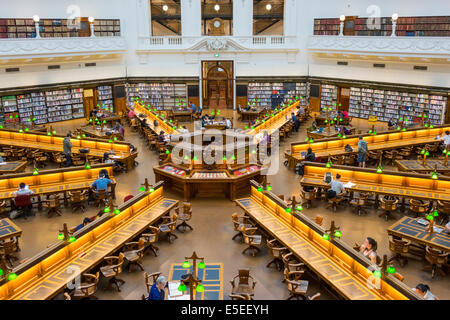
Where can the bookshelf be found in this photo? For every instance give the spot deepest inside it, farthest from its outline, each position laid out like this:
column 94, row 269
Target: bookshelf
column 24, row 107
column 328, row 97
column 39, row 107
column 433, row 26
column 162, row 96
column 9, row 105
column 77, row 103
column 105, row 97
column 54, row 28
column 59, row 105
column 262, row 92
column 387, row 104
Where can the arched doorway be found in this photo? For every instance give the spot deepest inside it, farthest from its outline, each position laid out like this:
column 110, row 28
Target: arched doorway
column 217, row 84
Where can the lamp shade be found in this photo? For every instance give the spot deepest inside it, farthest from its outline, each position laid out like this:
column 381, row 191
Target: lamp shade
column 186, row 264
column 342, row 18
column 36, row 18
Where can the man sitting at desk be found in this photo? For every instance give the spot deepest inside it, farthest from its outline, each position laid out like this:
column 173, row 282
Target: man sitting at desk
column 157, row 290
column 424, row 291
column 101, row 183
column 336, row 188
column 23, row 199
column 86, row 221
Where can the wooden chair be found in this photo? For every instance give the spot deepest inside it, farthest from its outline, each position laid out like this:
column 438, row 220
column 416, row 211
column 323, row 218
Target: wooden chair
column 112, row 269
column 333, row 203
column 443, row 208
column 436, row 259
column 297, row 288
column 391, row 156
column 239, row 223
column 99, row 198
column 3, row 209
column 184, row 216
column 252, row 240
column 245, row 285
column 276, row 252
column 52, row 204
column 77, row 198
column 314, row 297
column 350, row 160
column 307, row 197
column 406, row 152
column 419, row 207
column 360, row 203
column 78, row 160
column 168, row 228
column 87, row 287
column 7, row 249
column 150, row 279
column 39, row 159
column 134, row 252
column 399, row 248
column 242, row 296
column 150, row 238
column 59, row 159
column 387, row 206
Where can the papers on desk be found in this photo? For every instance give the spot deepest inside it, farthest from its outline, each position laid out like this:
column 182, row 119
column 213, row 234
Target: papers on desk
column 423, row 222
column 349, row 185
column 173, row 290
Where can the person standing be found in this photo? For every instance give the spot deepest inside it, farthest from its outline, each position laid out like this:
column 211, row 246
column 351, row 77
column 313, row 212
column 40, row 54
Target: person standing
column 295, row 121
column 67, row 149
column 363, row 148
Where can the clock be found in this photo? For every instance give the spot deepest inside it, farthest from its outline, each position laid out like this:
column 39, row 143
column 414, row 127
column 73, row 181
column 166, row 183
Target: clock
column 217, row 27
column 217, row 24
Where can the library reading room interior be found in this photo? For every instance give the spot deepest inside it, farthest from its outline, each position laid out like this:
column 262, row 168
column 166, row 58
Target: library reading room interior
column 224, row 150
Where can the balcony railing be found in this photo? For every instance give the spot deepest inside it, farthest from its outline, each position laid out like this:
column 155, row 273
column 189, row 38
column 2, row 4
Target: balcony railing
column 180, row 42
column 60, row 47
column 426, row 47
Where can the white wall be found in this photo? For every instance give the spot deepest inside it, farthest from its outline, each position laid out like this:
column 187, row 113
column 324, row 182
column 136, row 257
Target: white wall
column 299, row 20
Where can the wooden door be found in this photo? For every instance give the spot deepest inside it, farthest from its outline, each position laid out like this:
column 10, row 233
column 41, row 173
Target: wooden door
column 349, row 26
column 344, row 99
column 88, row 100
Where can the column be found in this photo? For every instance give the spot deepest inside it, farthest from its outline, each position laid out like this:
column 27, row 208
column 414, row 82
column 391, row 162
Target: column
column 290, row 18
column 191, row 18
column 143, row 18
column 242, row 18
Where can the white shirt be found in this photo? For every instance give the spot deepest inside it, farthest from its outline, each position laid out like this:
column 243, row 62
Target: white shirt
column 337, row 186
column 228, row 124
column 429, row 296
column 446, row 139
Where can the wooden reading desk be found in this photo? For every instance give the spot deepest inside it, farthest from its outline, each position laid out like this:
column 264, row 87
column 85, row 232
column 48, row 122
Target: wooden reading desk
column 247, row 116
column 53, row 181
column 381, row 141
column 47, row 274
column 393, row 183
column 54, row 143
column 408, row 228
column 333, row 261
column 417, row 166
column 8, row 230
column 12, row 167
column 163, row 125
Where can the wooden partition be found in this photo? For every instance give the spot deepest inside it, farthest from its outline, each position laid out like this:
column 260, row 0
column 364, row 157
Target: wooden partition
column 380, row 141
column 46, row 274
column 401, row 184
column 346, row 271
column 162, row 125
column 53, row 181
column 274, row 123
column 54, row 143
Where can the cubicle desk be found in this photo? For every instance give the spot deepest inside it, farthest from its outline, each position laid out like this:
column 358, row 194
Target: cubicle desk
column 163, row 125
column 13, row 167
column 408, row 228
column 393, row 183
column 54, row 143
column 47, row 274
column 54, row 181
column 336, row 263
column 417, row 166
column 382, row 141
column 206, row 183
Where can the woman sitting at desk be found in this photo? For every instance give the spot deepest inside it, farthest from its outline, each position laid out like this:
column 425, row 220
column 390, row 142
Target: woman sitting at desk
column 157, row 290
column 369, row 249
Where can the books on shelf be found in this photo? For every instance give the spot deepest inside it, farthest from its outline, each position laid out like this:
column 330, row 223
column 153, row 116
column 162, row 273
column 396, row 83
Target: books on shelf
column 162, row 96
column 105, row 97
column 388, row 105
column 261, row 93
column 328, row 97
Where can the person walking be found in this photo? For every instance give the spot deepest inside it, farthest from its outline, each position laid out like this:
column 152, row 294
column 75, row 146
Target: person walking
column 363, row 148
column 67, row 149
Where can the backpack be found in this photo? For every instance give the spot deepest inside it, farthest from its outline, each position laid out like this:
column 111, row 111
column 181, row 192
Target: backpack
column 328, row 177
column 348, row 148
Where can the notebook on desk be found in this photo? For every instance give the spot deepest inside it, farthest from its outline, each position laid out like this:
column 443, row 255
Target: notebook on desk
column 173, row 290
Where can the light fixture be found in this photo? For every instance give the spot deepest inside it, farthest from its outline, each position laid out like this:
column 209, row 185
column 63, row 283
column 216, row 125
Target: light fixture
column 342, row 18
column 91, row 19
column 341, row 26
column 165, row 7
column 36, row 25
column 186, row 265
column 91, row 24
column 217, row 7
column 36, row 18
column 395, row 17
column 394, row 24
column 268, row 7
column 200, row 288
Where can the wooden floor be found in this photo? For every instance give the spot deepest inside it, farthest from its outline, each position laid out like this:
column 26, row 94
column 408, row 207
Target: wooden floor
column 211, row 237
